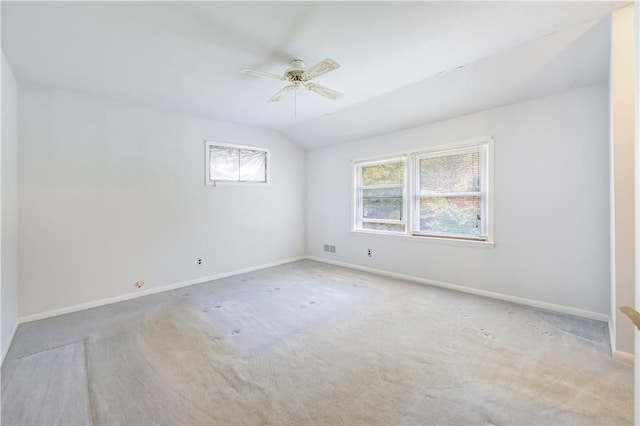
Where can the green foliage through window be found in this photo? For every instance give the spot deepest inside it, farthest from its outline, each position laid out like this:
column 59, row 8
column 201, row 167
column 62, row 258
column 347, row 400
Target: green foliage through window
column 381, row 196
column 449, row 199
column 380, row 174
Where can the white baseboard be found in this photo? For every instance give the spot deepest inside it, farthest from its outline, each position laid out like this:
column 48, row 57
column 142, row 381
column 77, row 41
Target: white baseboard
column 624, row 357
column 492, row 295
column 5, row 350
column 612, row 336
column 485, row 293
column 129, row 296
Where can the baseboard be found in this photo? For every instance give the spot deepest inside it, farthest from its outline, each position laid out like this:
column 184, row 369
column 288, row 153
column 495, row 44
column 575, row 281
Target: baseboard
column 612, row 336
column 485, row 293
column 129, row 296
column 5, row 350
column 624, row 357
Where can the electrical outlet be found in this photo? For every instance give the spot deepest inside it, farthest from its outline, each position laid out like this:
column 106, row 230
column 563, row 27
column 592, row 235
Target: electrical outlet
column 369, row 253
column 199, row 261
column 140, row 284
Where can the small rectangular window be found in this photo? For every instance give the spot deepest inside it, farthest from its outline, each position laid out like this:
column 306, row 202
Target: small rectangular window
column 381, row 195
column 235, row 163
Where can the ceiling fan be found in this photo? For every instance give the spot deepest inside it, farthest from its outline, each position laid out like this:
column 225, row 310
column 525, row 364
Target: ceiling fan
column 299, row 76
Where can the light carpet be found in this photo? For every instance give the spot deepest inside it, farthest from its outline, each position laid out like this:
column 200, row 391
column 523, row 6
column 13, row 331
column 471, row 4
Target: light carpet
column 310, row 343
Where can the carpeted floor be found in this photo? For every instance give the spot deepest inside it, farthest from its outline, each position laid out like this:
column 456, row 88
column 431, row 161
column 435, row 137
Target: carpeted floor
column 310, row 343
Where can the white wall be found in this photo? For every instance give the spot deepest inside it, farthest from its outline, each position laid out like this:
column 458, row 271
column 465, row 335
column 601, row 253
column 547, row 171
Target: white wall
column 9, row 211
column 111, row 193
column 622, row 81
column 637, row 179
column 551, row 203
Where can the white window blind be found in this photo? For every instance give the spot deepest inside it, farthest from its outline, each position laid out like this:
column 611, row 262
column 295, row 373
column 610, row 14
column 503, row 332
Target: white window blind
column 449, row 196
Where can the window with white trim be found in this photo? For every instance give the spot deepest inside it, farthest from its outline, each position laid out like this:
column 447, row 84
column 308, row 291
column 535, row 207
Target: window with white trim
column 235, row 163
column 441, row 193
column 381, row 195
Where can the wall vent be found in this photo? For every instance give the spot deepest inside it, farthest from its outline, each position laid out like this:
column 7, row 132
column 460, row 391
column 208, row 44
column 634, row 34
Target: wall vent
column 329, row 248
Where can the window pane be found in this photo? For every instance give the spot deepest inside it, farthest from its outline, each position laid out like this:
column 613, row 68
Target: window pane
column 450, row 215
column 388, row 173
column 395, row 227
column 223, row 163
column 382, row 203
column 451, row 173
column 253, row 165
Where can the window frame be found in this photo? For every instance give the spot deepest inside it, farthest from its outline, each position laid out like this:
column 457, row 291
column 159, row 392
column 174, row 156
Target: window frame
column 359, row 190
column 411, row 195
column 214, row 182
column 417, row 193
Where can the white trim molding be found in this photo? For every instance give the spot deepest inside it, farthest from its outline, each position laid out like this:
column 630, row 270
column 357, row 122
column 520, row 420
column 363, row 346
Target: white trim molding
column 129, row 296
column 612, row 334
column 470, row 290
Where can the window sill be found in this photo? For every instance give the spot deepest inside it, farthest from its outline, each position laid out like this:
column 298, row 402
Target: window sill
column 425, row 239
column 235, row 183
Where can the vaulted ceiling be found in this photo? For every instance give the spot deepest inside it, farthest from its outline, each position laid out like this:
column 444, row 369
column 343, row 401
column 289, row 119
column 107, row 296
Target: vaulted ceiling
column 403, row 63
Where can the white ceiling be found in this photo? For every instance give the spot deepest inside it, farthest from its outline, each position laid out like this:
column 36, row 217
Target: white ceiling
column 403, row 63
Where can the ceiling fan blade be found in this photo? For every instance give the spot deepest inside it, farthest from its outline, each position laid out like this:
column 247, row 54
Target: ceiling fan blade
column 262, row 74
column 324, row 91
column 322, row 68
column 282, row 92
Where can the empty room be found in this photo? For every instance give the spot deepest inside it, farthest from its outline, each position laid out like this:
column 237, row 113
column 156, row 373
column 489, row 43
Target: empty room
column 329, row 213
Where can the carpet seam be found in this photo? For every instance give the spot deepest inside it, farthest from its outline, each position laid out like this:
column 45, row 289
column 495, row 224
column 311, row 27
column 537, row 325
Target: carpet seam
column 92, row 414
column 47, row 349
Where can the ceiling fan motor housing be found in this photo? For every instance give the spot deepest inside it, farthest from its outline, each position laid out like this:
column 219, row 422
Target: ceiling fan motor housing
column 297, row 71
